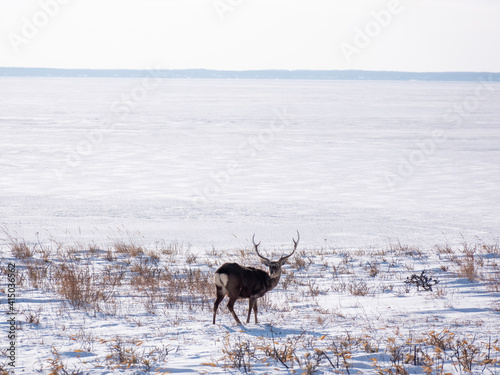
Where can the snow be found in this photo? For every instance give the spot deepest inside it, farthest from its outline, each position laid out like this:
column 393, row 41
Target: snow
column 80, row 151
column 355, row 166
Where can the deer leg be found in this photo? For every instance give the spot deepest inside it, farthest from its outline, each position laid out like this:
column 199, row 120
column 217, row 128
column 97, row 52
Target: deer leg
column 220, row 297
column 254, row 310
column 251, row 304
column 230, row 306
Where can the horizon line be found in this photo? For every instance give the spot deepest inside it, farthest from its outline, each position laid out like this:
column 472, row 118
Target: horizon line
column 315, row 74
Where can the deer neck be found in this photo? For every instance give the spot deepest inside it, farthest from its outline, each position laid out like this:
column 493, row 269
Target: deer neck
column 273, row 281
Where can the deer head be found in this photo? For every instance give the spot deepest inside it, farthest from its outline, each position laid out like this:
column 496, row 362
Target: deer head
column 275, row 267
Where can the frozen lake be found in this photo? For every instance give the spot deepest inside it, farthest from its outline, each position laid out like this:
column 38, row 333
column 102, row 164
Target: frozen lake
column 210, row 162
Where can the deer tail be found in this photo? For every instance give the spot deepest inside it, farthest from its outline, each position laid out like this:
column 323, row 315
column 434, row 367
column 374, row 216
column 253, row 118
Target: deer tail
column 220, row 279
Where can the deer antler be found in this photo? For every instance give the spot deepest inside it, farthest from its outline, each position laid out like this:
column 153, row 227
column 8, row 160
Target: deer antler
column 257, row 250
column 295, row 243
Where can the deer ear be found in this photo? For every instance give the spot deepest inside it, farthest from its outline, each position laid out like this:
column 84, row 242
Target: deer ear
column 266, row 262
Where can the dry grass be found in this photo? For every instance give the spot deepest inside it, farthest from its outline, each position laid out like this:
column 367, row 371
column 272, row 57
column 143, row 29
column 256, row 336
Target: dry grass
column 168, row 278
column 130, row 249
column 89, row 278
column 406, row 250
column 81, row 286
column 474, row 262
column 358, row 287
column 172, row 274
column 401, row 354
column 22, row 251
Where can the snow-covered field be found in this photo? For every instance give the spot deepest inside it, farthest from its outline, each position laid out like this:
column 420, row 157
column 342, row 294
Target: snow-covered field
column 138, row 189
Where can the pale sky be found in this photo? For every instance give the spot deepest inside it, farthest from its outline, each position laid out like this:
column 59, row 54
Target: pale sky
column 403, row 35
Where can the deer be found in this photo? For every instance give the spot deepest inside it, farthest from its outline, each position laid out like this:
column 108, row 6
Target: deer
column 237, row 281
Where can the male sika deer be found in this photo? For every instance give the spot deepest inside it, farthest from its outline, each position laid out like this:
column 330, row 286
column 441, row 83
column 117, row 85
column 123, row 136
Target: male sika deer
column 237, row 281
